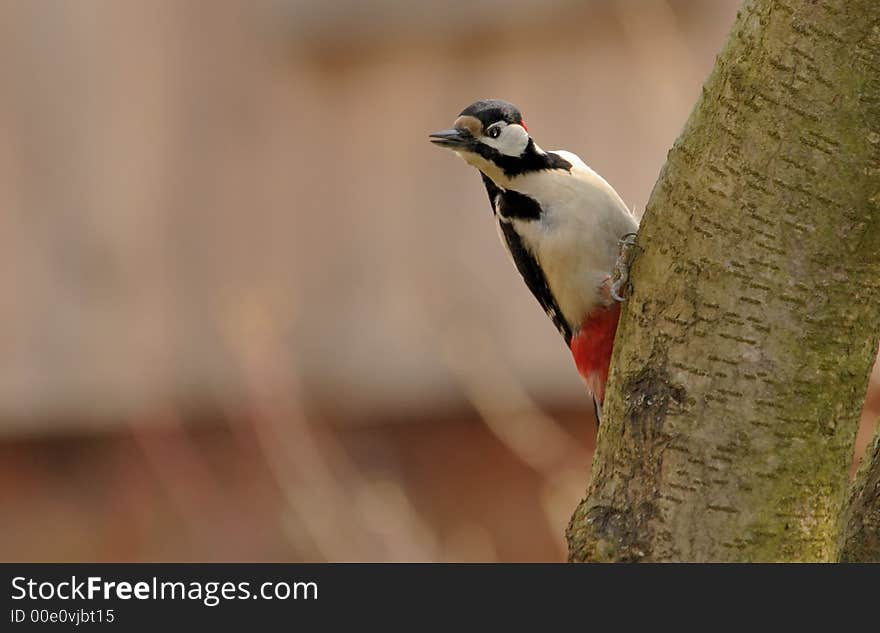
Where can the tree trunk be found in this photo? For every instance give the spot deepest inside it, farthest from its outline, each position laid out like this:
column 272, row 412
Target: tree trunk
column 860, row 538
column 743, row 353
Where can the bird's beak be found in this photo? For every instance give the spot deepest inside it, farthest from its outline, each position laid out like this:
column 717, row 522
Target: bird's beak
column 452, row 139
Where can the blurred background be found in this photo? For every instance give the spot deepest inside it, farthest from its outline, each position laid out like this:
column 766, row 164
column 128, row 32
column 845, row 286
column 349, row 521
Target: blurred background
column 250, row 313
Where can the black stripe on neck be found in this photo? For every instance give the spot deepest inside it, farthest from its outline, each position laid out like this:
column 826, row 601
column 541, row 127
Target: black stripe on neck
column 517, row 205
column 511, row 204
column 530, row 160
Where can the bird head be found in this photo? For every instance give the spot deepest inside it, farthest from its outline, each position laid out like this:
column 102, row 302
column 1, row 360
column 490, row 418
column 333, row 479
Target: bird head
column 490, row 135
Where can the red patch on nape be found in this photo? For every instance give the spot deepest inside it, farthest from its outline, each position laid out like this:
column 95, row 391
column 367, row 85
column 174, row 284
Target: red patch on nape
column 523, row 123
column 591, row 348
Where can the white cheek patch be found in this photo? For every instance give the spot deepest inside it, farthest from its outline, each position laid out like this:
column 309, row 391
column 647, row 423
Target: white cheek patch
column 512, row 141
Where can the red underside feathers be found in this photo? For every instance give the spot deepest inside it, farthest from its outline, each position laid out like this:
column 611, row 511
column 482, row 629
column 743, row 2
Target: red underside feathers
column 591, row 348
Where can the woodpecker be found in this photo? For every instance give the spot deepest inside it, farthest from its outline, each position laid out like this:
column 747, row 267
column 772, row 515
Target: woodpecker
column 565, row 228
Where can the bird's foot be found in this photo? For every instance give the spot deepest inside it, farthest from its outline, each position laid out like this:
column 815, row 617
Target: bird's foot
column 620, row 277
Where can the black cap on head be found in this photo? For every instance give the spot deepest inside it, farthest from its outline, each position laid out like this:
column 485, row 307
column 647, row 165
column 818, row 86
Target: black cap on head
column 488, row 111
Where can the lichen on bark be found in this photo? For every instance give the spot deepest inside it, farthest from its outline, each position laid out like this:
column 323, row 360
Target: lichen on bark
column 743, row 352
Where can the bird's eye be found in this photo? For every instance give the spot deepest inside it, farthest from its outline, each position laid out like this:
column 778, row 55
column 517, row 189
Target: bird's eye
column 494, row 132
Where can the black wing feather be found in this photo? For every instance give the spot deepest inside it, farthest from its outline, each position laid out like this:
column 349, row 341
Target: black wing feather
column 508, row 205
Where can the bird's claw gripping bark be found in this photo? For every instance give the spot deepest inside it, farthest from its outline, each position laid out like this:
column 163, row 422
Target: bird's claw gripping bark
column 620, row 277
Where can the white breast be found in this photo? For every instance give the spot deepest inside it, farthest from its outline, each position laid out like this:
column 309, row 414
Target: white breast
column 575, row 241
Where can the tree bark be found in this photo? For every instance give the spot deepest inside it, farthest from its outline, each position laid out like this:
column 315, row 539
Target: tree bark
column 860, row 537
column 743, row 353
